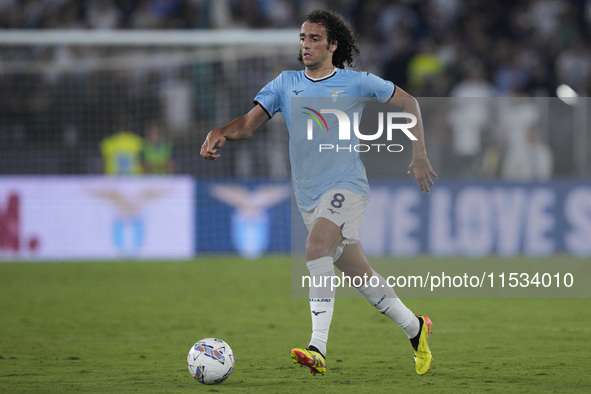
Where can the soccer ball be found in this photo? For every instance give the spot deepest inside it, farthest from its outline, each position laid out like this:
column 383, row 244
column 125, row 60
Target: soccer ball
column 210, row 361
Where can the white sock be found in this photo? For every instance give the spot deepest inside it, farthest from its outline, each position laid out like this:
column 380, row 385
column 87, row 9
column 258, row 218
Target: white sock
column 387, row 302
column 321, row 300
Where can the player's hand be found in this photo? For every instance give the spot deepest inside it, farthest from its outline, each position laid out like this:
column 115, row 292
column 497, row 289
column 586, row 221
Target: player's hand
column 423, row 171
column 213, row 142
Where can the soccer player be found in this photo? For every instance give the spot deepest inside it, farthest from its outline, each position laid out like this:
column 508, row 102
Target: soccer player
column 331, row 187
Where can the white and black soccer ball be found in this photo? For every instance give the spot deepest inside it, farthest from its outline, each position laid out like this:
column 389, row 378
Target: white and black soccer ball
column 210, row 361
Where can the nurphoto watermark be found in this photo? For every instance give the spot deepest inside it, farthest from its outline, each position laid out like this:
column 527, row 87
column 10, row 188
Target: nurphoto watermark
column 344, row 130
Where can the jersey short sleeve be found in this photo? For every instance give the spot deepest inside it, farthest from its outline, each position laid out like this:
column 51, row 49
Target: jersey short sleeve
column 374, row 86
column 269, row 96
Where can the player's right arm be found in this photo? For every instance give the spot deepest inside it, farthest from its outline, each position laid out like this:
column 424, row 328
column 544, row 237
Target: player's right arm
column 237, row 130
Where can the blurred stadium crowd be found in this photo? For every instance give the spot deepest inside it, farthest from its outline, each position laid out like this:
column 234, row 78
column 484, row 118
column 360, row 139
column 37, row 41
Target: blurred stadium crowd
column 429, row 47
column 434, row 48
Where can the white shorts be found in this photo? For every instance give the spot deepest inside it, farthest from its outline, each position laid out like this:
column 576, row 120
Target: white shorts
column 345, row 209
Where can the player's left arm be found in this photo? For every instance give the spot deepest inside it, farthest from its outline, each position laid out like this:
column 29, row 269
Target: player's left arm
column 419, row 165
column 239, row 129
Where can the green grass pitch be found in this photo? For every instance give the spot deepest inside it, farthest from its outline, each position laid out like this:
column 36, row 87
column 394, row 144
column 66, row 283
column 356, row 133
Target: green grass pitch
column 127, row 327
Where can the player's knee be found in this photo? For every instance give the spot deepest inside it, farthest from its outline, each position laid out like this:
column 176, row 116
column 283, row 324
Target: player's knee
column 316, row 250
column 323, row 239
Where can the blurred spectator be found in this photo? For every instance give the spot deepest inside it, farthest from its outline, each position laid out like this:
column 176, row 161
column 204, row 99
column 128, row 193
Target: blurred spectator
column 473, row 82
column 401, row 50
column 544, row 16
column 392, row 17
column 425, row 70
column 246, row 13
column 102, row 15
column 156, row 154
column 177, row 102
column 529, row 161
column 121, row 153
column 516, row 116
column 467, row 119
column 510, row 74
column 278, row 13
column 491, row 156
column 573, row 67
column 70, row 160
column 143, row 17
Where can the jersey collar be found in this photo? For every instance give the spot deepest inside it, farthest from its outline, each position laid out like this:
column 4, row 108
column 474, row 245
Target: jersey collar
column 332, row 74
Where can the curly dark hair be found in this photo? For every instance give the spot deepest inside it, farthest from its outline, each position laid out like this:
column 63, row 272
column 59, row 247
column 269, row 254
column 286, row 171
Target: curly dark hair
column 340, row 30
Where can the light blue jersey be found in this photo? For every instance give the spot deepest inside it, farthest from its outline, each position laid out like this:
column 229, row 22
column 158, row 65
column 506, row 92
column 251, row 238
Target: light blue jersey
column 301, row 100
